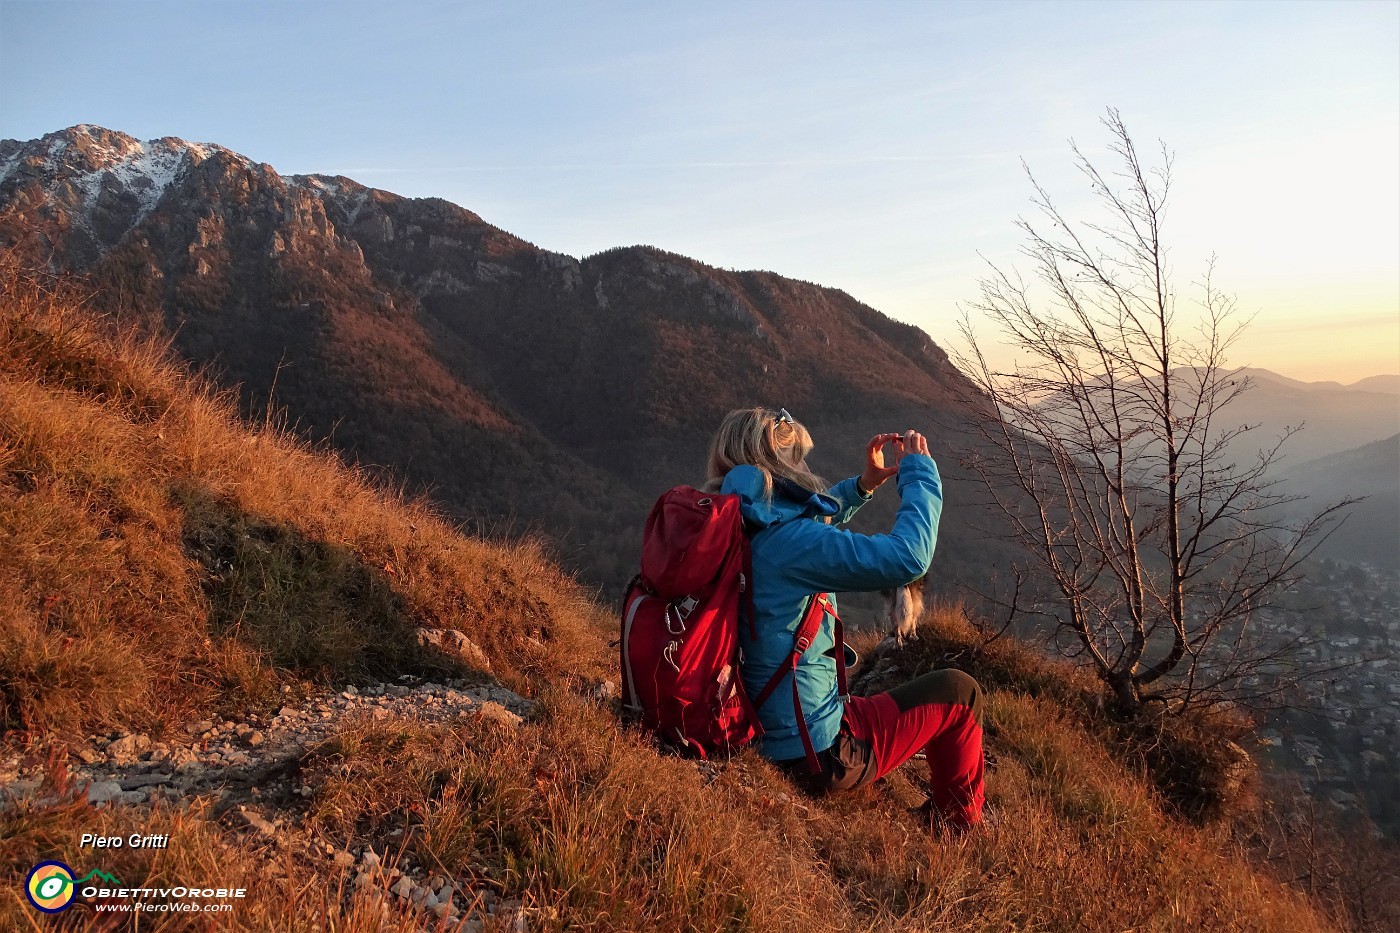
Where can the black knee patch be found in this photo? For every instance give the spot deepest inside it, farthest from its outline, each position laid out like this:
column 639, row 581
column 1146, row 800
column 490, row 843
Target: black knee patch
column 945, row 686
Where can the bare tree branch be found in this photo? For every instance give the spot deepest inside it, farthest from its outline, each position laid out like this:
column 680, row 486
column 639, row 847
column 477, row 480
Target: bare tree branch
column 1110, row 450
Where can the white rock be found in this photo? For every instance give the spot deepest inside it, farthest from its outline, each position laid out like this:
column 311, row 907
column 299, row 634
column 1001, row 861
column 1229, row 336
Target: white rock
column 125, row 749
column 103, row 792
column 257, row 822
column 369, row 859
column 454, row 643
column 497, row 712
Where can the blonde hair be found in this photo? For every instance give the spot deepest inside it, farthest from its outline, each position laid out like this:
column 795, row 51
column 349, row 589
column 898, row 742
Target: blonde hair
column 756, row 437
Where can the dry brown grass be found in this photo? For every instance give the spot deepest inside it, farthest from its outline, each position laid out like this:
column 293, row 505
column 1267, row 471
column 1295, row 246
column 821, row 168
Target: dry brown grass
column 160, row 557
column 202, row 851
column 570, row 813
column 161, row 560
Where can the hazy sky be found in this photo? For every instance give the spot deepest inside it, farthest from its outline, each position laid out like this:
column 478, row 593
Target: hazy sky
column 870, row 146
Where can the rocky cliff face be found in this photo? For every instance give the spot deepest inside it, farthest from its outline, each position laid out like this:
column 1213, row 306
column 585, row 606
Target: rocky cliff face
column 517, row 384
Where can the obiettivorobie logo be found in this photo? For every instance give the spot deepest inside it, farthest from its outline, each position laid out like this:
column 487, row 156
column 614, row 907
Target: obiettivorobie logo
column 51, row 886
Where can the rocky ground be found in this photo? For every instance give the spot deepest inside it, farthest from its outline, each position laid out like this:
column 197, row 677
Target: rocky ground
column 251, row 769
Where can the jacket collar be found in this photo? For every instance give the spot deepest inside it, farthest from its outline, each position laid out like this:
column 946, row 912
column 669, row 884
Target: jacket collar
column 789, row 501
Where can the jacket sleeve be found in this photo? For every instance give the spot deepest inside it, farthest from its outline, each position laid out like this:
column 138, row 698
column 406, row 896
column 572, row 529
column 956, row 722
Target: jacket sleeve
column 821, row 557
column 847, row 494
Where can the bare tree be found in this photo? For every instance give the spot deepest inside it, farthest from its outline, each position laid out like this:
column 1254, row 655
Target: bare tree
column 1110, row 449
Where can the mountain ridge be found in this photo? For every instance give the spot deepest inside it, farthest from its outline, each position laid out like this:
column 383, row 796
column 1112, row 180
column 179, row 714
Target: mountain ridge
column 151, row 166
column 1333, row 417
column 1388, row 383
column 412, row 333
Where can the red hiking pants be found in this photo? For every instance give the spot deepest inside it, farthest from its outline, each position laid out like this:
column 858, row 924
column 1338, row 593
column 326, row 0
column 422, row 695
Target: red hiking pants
column 939, row 713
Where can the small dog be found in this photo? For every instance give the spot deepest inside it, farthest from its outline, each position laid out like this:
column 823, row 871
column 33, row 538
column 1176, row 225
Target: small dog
column 904, row 608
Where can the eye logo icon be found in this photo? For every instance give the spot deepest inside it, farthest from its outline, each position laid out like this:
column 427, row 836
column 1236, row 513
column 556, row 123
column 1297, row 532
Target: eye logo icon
column 50, row 887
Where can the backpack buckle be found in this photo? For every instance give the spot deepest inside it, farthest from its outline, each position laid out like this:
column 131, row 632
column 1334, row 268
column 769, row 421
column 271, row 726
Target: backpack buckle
column 683, row 607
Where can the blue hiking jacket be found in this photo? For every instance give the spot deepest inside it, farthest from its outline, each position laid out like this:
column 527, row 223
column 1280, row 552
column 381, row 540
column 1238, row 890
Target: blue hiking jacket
column 796, row 556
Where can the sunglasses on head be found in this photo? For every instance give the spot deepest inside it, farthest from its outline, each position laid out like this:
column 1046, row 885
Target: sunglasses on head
column 784, row 418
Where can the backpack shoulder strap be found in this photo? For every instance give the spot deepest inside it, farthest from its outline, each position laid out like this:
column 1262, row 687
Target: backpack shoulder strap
column 817, row 607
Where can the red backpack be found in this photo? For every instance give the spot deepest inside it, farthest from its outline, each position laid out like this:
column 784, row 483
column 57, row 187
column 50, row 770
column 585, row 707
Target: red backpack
column 680, row 619
column 680, row 628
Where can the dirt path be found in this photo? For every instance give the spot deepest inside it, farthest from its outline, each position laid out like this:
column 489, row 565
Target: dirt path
column 252, row 768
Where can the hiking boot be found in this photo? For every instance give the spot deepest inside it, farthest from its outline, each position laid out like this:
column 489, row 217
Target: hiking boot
column 941, row 825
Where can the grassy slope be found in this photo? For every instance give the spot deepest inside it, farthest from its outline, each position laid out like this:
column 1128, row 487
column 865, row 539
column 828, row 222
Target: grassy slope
column 160, row 561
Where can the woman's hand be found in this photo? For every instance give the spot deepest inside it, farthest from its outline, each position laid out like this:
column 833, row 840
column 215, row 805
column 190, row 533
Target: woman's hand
column 876, row 472
column 912, row 442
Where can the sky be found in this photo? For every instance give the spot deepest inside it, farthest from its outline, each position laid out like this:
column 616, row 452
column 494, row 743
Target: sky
column 876, row 147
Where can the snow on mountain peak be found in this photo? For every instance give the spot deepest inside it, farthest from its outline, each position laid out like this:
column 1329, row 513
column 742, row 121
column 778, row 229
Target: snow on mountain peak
column 92, row 159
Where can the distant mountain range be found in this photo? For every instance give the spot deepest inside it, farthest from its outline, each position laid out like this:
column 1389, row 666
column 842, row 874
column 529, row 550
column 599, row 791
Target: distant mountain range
column 1348, row 446
column 1386, row 384
column 523, row 388
column 1333, row 417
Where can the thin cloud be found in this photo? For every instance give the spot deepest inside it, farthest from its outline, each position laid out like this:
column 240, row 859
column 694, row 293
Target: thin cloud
column 1331, row 322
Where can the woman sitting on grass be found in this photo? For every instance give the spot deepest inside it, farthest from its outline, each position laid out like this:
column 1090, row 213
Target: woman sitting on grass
column 799, row 551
